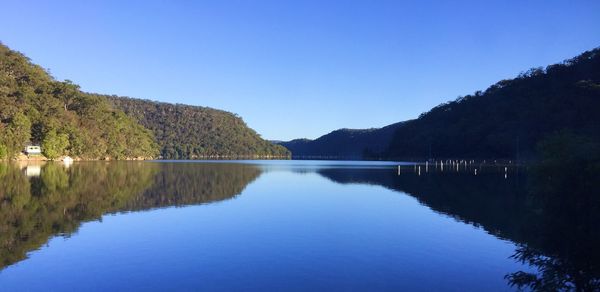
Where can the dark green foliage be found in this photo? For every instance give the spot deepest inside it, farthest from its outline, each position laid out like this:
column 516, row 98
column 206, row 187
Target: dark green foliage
column 35, row 108
column 190, row 132
column 510, row 117
column 564, row 188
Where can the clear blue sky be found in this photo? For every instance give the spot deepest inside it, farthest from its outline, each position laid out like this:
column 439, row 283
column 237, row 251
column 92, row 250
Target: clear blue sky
column 298, row 68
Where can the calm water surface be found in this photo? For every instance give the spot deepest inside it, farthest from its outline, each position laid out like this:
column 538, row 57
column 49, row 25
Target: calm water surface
column 262, row 225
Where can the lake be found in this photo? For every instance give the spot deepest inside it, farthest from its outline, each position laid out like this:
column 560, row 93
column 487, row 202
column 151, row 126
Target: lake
column 285, row 225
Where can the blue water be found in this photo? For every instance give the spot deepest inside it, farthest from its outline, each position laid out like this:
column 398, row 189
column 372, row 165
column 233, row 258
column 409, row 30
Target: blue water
column 290, row 228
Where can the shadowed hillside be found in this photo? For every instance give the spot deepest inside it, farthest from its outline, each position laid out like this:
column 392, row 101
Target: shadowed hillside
column 511, row 117
column 506, row 121
column 344, row 143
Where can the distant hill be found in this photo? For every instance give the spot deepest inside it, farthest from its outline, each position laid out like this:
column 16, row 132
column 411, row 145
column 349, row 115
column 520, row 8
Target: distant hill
column 188, row 132
column 506, row 121
column 344, row 143
column 37, row 109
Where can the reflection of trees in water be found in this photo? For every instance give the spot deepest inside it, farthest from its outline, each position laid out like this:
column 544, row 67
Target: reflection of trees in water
column 58, row 200
column 179, row 184
column 486, row 200
column 564, row 244
column 552, row 215
column 555, row 225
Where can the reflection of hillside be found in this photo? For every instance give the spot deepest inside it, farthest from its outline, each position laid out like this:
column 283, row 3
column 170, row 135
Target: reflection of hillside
column 487, row 200
column 554, row 224
column 59, row 200
column 179, row 184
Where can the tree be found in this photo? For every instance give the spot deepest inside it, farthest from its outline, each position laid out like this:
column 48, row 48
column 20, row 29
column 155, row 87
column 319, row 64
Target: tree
column 17, row 134
column 55, row 144
column 3, row 151
column 68, row 92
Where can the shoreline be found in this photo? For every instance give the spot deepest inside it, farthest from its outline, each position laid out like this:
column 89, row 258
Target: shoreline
column 207, row 158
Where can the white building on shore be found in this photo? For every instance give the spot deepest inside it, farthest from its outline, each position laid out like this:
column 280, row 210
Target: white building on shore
column 33, row 150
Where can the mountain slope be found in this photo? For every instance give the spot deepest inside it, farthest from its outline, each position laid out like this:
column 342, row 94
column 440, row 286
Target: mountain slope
column 35, row 108
column 188, row 132
column 508, row 120
column 344, row 143
column 511, row 117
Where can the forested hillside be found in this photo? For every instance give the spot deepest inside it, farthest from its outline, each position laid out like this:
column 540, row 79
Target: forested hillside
column 511, row 117
column 35, row 108
column 188, row 132
column 344, row 143
column 506, row 121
